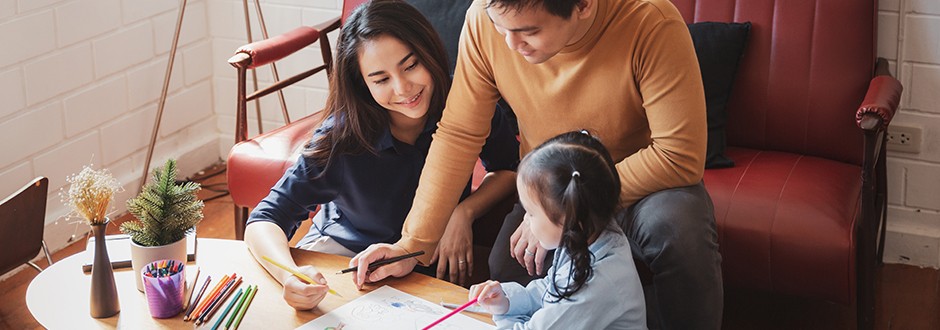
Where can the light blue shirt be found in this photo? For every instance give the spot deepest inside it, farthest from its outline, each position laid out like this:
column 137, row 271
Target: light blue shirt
column 612, row 298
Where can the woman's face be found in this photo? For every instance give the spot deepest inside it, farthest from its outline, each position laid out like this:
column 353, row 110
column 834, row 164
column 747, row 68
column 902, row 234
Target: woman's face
column 397, row 80
column 547, row 232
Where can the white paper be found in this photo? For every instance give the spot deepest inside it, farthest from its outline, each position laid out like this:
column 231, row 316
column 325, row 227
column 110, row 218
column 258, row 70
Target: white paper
column 389, row 309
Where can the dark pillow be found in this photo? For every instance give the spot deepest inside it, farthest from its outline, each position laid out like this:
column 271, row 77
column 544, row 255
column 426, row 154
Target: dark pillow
column 447, row 17
column 718, row 47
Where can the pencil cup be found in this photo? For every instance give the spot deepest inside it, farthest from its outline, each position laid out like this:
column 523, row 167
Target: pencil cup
column 164, row 284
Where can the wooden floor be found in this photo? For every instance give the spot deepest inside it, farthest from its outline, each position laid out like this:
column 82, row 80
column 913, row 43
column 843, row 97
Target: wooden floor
column 908, row 297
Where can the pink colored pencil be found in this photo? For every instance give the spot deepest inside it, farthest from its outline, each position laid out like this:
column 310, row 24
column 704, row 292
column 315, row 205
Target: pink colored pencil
column 455, row 311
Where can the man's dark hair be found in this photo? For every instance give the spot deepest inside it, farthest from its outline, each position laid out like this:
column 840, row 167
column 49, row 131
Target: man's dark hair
column 560, row 8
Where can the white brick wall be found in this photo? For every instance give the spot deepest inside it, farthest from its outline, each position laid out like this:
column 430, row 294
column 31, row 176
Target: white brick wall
column 909, row 34
column 79, row 83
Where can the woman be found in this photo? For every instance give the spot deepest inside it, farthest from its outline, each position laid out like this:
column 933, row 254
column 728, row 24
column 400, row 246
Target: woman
column 363, row 163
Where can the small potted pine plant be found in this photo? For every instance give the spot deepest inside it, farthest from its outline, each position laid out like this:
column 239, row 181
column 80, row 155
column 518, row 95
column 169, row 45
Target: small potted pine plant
column 165, row 212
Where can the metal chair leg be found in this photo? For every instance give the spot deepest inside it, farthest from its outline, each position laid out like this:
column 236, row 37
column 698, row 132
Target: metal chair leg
column 38, row 269
column 45, row 250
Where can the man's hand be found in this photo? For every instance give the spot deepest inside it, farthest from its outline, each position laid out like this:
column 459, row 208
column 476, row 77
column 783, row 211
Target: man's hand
column 303, row 296
column 491, row 296
column 376, row 252
column 455, row 251
column 525, row 248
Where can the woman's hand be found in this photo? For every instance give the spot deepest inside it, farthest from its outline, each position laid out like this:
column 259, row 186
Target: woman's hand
column 304, row 296
column 525, row 248
column 454, row 253
column 376, row 252
column 490, row 295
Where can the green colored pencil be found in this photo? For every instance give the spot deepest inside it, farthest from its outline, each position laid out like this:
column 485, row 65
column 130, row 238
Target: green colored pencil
column 241, row 314
column 238, row 306
column 227, row 309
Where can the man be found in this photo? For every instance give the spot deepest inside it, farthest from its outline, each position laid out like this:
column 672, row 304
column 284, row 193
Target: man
column 626, row 71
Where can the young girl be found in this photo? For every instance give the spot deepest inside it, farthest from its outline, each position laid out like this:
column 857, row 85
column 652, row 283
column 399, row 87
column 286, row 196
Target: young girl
column 569, row 189
column 363, row 163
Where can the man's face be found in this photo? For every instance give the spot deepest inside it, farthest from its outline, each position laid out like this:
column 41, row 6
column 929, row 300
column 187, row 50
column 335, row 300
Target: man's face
column 533, row 32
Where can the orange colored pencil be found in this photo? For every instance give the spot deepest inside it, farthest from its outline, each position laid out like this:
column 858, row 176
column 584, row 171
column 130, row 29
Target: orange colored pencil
column 218, row 303
column 205, row 300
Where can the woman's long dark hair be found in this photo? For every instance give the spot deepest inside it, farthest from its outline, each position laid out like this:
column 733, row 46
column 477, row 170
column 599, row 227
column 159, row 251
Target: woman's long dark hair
column 358, row 118
column 573, row 177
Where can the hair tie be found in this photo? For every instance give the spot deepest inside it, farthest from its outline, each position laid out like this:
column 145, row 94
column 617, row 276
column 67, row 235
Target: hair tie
column 585, row 132
column 575, row 174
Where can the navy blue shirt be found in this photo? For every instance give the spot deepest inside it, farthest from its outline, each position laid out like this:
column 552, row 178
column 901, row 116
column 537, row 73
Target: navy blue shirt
column 365, row 197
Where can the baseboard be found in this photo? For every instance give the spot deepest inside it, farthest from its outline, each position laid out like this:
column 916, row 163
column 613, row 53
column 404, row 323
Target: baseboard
column 912, row 245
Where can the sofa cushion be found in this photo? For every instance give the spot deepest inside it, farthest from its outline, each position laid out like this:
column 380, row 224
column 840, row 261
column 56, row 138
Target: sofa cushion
column 718, row 47
column 447, row 17
column 786, row 222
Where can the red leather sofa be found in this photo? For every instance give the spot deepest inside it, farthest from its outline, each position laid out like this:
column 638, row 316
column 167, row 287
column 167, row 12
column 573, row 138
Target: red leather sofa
column 800, row 212
column 803, row 210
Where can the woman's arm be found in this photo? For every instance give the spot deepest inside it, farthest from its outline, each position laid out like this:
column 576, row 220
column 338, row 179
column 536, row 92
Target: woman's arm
column 455, row 251
column 276, row 217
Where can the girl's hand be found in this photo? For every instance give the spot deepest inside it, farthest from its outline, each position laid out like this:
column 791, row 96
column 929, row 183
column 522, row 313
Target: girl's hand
column 454, row 253
column 303, row 296
column 490, row 295
column 525, row 248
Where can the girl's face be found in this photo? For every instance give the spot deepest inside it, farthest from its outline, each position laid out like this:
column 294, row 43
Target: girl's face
column 397, row 80
column 548, row 233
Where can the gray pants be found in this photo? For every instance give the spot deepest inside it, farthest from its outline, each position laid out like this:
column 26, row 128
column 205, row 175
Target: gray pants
column 673, row 232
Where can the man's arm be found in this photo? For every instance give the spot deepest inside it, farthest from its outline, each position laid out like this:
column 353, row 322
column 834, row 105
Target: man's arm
column 460, row 136
column 669, row 80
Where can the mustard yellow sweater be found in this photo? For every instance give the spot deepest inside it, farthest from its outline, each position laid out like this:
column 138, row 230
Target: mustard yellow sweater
column 633, row 80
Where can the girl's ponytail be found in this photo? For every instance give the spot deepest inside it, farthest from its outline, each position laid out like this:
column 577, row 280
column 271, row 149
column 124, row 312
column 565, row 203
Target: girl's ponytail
column 575, row 239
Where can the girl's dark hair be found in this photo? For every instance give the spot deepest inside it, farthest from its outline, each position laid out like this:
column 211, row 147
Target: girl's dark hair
column 573, row 177
column 358, row 118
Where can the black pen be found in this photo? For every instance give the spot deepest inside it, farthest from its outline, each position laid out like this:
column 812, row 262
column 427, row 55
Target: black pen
column 382, row 262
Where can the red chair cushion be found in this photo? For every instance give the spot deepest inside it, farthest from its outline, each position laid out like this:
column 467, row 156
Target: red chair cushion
column 255, row 165
column 786, row 222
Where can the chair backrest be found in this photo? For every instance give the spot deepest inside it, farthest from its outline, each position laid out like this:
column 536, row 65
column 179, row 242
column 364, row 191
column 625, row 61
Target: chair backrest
column 348, row 6
column 22, row 216
column 804, row 72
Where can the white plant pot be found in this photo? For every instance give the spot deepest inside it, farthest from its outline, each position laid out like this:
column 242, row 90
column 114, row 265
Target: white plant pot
column 141, row 256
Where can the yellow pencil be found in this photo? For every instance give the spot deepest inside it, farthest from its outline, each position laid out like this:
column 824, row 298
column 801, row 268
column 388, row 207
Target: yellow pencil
column 301, row 276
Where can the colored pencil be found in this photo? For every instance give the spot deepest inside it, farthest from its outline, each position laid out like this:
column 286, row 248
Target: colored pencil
column 218, row 302
column 301, row 276
column 210, row 301
column 382, row 262
column 192, row 288
column 227, row 309
column 194, row 302
column 241, row 313
column 205, row 300
column 471, row 309
column 455, row 311
column 238, row 306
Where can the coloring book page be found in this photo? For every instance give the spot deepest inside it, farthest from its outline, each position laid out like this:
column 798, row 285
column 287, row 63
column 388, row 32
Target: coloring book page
column 389, row 309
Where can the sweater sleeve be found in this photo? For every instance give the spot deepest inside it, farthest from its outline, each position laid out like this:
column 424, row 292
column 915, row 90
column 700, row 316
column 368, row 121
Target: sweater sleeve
column 461, row 133
column 669, row 81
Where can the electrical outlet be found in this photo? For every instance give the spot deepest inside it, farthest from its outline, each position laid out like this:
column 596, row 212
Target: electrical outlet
column 904, row 138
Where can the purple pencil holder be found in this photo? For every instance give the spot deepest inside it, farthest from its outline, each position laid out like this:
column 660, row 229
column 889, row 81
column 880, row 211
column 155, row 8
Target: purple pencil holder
column 164, row 284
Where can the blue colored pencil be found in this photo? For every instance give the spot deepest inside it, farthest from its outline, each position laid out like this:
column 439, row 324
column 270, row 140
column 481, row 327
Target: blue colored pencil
column 227, row 309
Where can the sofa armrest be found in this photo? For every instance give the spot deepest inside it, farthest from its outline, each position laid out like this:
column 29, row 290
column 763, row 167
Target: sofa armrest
column 881, row 100
column 266, row 51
